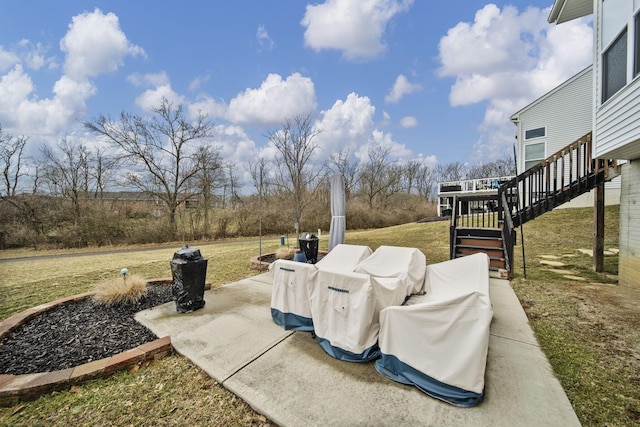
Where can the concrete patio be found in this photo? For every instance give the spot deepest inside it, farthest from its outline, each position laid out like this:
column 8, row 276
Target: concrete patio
column 287, row 376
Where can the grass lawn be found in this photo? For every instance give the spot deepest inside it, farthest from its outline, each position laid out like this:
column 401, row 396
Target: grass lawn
column 589, row 328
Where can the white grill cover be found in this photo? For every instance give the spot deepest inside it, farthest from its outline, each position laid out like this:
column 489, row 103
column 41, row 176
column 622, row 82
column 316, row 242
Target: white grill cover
column 444, row 334
column 344, row 257
column 289, row 296
column 345, row 306
column 407, row 264
column 291, row 281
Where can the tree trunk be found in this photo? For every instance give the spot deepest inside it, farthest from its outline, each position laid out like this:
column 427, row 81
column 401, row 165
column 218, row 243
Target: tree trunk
column 172, row 222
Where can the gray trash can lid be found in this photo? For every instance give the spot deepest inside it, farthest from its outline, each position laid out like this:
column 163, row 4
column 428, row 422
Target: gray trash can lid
column 187, row 254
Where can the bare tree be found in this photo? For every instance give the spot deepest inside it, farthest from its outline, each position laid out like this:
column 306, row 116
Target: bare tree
column 163, row 145
column 377, row 176
column 410, row 175
column 296, row 175
column 450, row 172
column 426, row 181
column 232, row 181
column 340, row 163
column 257, row 171
column 503, row 166
column 102, row 166
column 209, row 177
column 11, row 150
column 66, row 171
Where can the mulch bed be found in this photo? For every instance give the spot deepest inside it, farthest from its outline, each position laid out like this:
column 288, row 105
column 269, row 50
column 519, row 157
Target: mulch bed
column 76, row 333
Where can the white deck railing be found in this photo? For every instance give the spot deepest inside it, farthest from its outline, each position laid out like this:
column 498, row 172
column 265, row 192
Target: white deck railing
column 473, row 185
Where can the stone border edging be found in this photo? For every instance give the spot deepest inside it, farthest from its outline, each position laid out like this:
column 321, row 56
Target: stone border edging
column 14, row 388
column 255, row 263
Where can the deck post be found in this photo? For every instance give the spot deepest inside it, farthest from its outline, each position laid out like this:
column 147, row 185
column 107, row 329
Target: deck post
column 598, row 221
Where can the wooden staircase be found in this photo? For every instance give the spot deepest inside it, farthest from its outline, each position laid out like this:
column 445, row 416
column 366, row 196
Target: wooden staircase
column 488, row 223
column 488, row 240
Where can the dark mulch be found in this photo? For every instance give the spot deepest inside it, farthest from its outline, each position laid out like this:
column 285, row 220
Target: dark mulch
column 76, row 333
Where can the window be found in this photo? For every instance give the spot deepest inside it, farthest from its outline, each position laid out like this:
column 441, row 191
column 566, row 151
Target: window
column 535, row 133
column 636, row 46
column 614, row 67
column 534, row 154
column 615, row 14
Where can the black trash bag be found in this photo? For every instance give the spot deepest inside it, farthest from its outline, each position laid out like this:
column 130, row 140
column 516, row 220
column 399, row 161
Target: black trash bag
column 189, row 270
column 309, row 245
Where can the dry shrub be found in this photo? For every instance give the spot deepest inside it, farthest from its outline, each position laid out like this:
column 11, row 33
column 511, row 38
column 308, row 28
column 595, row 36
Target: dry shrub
column 117, row 291
column 285, row 253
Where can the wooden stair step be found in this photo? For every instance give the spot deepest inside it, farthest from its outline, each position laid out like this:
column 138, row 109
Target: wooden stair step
column 485, row 243
column 497, row 263
column 494, row 262
column 492, row 252
column 477, row 248
column 484, row 233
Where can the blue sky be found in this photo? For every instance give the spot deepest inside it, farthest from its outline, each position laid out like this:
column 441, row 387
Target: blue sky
column 435, row 81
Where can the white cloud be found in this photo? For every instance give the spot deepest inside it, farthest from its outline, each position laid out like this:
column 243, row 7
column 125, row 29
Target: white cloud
column 208, row 106
column 34, row 55
column 408, row 122
column 28, row 54
column 7, row 59
column 507, row 59
column 95, row 44
column 386, row 120
column 378, row 138
column 401, row 87
column 235, row 145
column 24, row 113
column 149, row 79
column 349, row 125
column 160, row 87
column 198, row 82
column 265, row 42
column 15, row 87
column 152, row 98
column 346, row 124
column 492, row 42
column 72, row 92
column 274, row 101
column 354, row 27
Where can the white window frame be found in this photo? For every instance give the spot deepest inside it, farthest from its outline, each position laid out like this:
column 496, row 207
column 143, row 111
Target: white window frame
column 544, row 135
column 529, row 163
column 542, row 139
column 606, row 96
column 622, row 18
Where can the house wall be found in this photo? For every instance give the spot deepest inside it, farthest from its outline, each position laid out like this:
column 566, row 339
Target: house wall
column 617, row 121
column 616, row 134
column 618, row 125
column 611, row 197
column 629, row 261
column 566, row 112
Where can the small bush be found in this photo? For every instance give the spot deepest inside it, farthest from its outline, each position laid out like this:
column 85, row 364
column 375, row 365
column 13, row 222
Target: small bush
column 285, row 253
column 118, row 291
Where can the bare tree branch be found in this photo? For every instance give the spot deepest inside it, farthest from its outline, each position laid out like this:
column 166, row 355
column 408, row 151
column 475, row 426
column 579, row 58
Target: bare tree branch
column 11, row 150
column 164, row 145
column 296, row 174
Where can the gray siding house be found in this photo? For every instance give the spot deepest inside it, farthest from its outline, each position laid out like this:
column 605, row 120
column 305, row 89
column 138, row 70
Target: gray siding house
column 616, row 107
column 554, row 120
